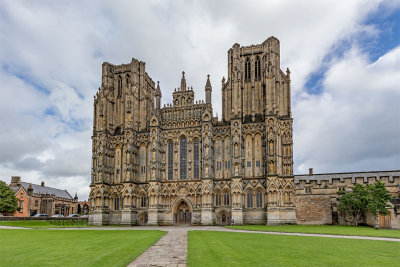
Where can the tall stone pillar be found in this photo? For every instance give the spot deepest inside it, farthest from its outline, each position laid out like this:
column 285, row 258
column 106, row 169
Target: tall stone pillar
column 237, row 171
column 207, row 209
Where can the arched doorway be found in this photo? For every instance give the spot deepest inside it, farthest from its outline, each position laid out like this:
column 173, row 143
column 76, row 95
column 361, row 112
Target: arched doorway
column 182, row 214
column 223, row 218
column 143, row 218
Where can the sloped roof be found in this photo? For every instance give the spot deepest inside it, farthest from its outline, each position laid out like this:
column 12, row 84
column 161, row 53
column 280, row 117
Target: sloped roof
column 43, row 190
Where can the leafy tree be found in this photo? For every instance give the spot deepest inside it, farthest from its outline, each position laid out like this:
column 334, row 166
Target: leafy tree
column 353, row 204
column 79, row 209
column 8, row 200
column 378, row 201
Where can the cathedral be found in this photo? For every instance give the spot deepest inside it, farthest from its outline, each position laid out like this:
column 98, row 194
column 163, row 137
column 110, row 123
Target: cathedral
column 180, row 165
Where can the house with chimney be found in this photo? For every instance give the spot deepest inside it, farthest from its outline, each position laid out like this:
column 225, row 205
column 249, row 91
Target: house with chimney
column 34, row 199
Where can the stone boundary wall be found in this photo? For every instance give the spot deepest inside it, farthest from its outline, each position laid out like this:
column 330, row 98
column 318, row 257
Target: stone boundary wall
column 13, row 218
column 316, row 194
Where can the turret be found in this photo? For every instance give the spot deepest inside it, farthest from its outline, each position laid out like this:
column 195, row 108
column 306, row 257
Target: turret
column 158, row 96
column 183, row 82
column 76, row 197
column 208, row 90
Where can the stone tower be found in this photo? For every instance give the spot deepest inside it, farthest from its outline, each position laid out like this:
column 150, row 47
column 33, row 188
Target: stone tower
column 256, row 91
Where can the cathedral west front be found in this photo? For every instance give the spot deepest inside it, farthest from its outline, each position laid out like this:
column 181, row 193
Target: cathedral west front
column 180, row 165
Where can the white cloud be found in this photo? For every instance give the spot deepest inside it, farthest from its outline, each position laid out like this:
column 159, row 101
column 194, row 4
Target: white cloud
column 354, row 125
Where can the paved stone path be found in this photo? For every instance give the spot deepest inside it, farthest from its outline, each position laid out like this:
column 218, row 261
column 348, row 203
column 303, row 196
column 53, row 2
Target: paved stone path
column 171, row 249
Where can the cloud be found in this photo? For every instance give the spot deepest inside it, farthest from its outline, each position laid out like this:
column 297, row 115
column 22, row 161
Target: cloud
column 354, row 125
column 50, row 68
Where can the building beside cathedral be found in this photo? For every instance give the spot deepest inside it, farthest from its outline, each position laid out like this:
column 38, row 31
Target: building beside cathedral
column 178, row 164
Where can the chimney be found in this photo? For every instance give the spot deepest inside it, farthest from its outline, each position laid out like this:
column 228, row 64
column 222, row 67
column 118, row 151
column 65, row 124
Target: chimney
column 310, row 172
column 15, row 181
column 42, row 183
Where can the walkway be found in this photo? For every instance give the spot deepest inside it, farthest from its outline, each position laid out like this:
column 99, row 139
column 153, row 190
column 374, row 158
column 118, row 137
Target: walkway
column 170, row 250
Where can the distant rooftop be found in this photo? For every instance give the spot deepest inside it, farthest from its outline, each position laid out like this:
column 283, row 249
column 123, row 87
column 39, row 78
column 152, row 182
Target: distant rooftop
column 43, row 190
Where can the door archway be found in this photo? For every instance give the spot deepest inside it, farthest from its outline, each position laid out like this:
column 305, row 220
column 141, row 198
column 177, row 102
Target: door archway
column 182, row 214
column 223, row 218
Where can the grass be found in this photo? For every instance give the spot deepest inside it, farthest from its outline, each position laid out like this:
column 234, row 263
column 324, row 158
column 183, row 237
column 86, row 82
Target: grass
column 73, row 247
column 207, row 248
column 322, row 229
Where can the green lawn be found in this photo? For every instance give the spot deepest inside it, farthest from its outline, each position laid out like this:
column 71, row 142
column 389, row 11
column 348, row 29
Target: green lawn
column 250, row 249
column 322, row 229
column 73, row 247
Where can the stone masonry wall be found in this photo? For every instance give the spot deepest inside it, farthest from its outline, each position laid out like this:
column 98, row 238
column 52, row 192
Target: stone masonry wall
column 313, row 209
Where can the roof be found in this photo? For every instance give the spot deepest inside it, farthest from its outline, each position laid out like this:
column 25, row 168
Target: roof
column 44, row 190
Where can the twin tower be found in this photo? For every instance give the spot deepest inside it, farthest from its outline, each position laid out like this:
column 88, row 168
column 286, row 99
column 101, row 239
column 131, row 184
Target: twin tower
column 181, row 165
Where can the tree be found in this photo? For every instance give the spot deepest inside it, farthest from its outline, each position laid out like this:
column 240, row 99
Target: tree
column 79, row 209
column 378, row 201
column 353, row 204
column 8, row 200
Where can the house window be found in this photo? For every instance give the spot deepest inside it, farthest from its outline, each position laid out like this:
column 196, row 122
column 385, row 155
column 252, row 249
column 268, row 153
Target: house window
column 170, row 160
column 258, row 163
column 196, row 158
column 21, row 205
column 249, row 164
column 307, row 190
column 21, row 195
column 183, row 158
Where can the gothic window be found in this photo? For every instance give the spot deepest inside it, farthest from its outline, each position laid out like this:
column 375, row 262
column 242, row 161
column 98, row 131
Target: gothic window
column 259, row 200
column 257, row 69
column 170, row 160
column 218, row 199
column 196, row 158
column 116, row 203
column 143, row 201
column 119, row 87
column 226, row 198
column 127, row 81
column 249, row 199
column 247, row 70
column 183, row 158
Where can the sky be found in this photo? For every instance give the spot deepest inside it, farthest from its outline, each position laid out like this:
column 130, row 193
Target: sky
column 344, row 58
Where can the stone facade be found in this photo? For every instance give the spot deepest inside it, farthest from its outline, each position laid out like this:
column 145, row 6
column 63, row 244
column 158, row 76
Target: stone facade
column 316, row 196
column 178, row 164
